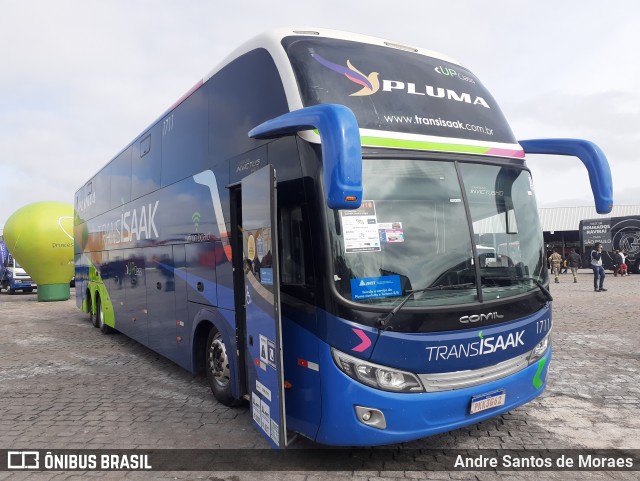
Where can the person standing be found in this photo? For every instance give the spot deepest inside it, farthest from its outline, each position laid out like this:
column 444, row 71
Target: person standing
column 623, row 264
column 617, row 263
column 598, row 270
column 555, row 260
column 575, row 262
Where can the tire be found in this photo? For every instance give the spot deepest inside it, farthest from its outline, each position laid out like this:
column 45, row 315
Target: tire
column 11, row 291
column 216, row 365
column 100, row 318
column 93, row 318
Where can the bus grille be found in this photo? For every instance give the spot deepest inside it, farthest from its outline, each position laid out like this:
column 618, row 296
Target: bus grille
column 448, row 381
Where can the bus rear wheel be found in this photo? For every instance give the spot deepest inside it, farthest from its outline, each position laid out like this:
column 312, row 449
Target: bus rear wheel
column 100, row 316
column 93, row 316
column 217, row 368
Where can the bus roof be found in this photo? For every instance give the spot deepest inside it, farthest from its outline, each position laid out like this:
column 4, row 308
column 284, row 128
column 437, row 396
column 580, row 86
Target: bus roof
column 272, row 41
column 318, row 65
column 419, row 99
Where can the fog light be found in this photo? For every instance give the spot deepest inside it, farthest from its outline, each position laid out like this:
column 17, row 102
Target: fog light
column 371, row 417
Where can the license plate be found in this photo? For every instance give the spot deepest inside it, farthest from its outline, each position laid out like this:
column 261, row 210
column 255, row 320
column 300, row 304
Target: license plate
column 488, row 401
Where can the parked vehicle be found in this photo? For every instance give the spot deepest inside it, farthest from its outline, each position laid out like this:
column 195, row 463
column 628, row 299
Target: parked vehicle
column 13, row 277
column 232, row 237
column 614, row 233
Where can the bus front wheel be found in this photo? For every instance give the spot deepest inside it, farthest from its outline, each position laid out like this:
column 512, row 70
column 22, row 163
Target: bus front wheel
column 217, row 368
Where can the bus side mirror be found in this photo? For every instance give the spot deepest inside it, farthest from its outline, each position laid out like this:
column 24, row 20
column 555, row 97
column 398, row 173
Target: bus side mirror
column 591, row 156
column 341, row 148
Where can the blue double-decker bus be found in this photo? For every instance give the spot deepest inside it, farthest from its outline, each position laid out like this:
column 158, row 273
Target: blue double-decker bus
column 337, row 229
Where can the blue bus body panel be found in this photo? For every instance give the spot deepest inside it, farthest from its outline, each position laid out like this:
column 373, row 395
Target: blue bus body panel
column 350, row 337
column 301, row 358
column 461, row 350
column 320, row 403
column 411, row 416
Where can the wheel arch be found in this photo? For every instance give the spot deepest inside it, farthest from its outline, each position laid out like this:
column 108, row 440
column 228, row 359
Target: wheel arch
column 90, row 300
column 204, row 321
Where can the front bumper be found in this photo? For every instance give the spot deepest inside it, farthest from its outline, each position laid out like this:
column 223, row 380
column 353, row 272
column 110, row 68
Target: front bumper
column 412, row 416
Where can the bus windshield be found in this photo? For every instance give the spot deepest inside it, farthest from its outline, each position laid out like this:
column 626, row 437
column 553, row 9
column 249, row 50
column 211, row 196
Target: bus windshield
column 412, row 232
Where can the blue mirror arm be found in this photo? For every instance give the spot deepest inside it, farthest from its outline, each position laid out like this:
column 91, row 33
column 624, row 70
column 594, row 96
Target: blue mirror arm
column 591, row 156
column 341, row 148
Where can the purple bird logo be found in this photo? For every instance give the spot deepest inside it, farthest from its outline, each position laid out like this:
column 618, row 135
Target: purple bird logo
column 370, row 84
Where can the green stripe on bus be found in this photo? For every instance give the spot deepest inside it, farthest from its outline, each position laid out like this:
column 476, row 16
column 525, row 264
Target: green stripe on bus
column 421, row 145
column 537, row 382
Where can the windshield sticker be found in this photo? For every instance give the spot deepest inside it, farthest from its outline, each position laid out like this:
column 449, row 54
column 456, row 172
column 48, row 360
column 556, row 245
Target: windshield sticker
column 391, row 232
column 360, row 227
column 266, row 276
column 390, row 225
column 375, row 287
column 391, row 235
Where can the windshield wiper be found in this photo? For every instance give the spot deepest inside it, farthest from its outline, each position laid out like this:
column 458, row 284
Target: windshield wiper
column 545, row 292
column 383, row 321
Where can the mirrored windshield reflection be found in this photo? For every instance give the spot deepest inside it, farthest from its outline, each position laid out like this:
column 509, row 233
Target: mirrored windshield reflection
column 411, row 232
column 506, row 229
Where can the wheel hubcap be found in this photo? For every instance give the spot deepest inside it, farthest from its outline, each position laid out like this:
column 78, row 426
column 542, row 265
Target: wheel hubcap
column 218, row 362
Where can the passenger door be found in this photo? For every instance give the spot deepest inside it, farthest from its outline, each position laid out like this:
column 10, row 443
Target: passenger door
column 263, row 332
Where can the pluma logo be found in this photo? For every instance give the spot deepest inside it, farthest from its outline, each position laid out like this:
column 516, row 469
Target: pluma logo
column 369, row 83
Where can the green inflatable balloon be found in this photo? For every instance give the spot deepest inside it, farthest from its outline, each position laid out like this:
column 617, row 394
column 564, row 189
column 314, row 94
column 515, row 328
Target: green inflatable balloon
column 40, row 237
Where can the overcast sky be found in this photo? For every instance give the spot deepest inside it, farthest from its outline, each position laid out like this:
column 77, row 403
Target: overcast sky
column 79, row 79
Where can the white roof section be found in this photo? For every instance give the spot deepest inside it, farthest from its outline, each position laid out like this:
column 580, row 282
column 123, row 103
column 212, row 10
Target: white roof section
column 271, row 40
column 568, row 218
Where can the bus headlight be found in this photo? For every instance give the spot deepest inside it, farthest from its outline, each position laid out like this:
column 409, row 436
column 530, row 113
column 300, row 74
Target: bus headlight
column 375, row 375
column 538, row 351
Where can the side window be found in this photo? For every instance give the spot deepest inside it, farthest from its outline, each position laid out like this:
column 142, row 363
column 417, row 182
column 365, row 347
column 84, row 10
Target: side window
column 102, row 189
column 292, row 270
column 121, row 179
column 146, row 162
